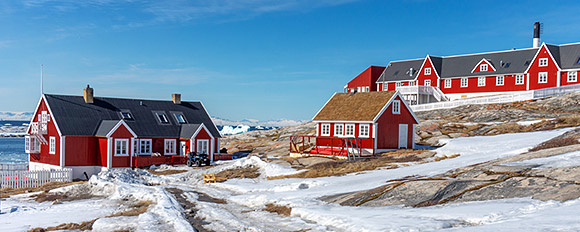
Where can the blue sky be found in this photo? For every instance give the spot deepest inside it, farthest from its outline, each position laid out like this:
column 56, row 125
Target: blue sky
column 258, row 59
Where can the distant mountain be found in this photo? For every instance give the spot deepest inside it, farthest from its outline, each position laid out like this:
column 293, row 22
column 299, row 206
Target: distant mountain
column 15, row 116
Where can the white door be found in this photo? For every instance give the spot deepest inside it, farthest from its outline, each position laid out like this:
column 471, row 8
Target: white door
column 403, row 129
column 182, row 148
column 202, row 146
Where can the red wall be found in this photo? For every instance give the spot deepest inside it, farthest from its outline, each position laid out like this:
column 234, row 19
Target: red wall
column 564, row 79
column 335, row 141
column 102, row 145
column 421, row 77
column 121, row 161
column 367, row 78
column 534, row 69
column 388, row 127
column 490, row 85
column 44, row 156
column 82, row 151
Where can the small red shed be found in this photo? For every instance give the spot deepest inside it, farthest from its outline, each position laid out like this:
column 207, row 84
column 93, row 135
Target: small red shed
column 362, row 123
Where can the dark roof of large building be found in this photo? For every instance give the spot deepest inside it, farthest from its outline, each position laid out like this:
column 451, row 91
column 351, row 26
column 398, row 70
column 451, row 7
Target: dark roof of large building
column 74, row 117
column 505, row 62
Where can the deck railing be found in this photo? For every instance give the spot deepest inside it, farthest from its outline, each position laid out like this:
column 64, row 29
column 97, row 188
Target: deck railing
column 13, row 166
column 350, row 147
column 33, row 179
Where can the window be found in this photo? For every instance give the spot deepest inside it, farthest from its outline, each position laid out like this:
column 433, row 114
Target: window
column 338, row 129
column 121, row 147
column 162, row 117
column 572, row 76
column 427, row 82
column 427, row 71
column 31, row 145
column 481, row 81
column 145, row 147
column 396, row 107
column 364, row 130
column 325, row 130
column 483, row 68
column 543, row 62
column 349, row 130
column 367, row 88
column 499, row 80
column 126, row 115
column 180, row 118
column 447, row 83
column 45, row 117
column 202, row 146
column 170, row 147
column 398, row 84
column 411, row 83
column 135, row 146
column 358, row 89
column 52, row 145
column 520, row 79
column 543, row 77
column 463, row 82
column 385, row 87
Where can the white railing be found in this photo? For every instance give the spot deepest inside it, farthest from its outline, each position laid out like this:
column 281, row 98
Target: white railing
column 480, row 100
column 33, row 179
column 420, row 89
column 540, row 93
column 13, row 166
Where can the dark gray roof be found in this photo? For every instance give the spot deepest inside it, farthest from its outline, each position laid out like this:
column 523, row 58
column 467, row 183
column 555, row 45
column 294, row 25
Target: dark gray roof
column 106, row 127
column 437, row 63
column 399, row 70
column 514, row 61
column 77, row 118
column 187, row 130
column 569, row 56
column 555, row 50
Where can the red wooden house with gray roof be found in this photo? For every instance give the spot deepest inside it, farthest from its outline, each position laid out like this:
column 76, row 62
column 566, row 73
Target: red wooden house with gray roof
column 90, row 134
column 361, row 124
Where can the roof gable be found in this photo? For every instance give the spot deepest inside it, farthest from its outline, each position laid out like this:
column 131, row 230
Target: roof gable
column 354, row 106
column 477, row 67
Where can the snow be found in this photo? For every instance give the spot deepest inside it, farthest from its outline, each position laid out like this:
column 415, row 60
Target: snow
column 245, row 198
column 230, row 130
column 558, row 161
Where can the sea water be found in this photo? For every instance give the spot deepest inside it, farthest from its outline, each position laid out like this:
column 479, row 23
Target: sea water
column 12, row 150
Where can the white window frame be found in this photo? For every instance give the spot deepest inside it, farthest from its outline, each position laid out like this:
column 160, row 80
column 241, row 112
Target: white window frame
column 367, row 88
column 427, row 71
column 464, row 82
column 325, row 129
column 397, row 84
column 349, row 130
column 363, row 130
column 447, row 83
column 358, row 89
column 499, row 80
column 483, row 68
column 385, row 86
column 573, row 74
column 169, row 148
column 520, row 79
column 480, row 81
column 119, row 149
column 337, row 131
column 427, row 82
column 52, row 145
column 545, row 77
column 396, row 106
column 543, row 62
column 136, row 146
column 162, row 117
column 411, row 83
column 145, row 146
column 198, row 146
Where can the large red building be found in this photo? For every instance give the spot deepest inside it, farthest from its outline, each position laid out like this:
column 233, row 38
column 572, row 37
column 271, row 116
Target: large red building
column 90, row 134
column 365, row 81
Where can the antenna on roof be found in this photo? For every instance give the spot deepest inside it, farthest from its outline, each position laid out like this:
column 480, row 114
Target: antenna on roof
column 41, row 80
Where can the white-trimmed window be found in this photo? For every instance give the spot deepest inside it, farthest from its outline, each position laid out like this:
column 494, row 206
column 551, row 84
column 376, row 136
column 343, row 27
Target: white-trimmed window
column 464, row 82
column 427, row 71
column 367, row 88
column 385, row 86
column 543, row 77
column 135, row 146
column 52, row 145
column 447, row 83
column 363, row 130
column 398, row 84
column 121, row 147
column 31, row 145
column 396, row 107
column 170, row 147
column 325, row 129
column 483, row 68
column 481, row 81
column 543, row 62
column 520, row 79
column 358, row 89
column 427, row 83
column 145, row 146
column 349, row 130
column 411, row 83
column 338, row 129
column 499, row 80
column 180, row 118
column 572, row 76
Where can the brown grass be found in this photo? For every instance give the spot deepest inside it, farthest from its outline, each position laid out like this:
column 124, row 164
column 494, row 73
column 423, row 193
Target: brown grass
column 444, row 157
column 7, row 192
column 165, row 172
column 555, row 142
column 249, row 172
column 279, row 209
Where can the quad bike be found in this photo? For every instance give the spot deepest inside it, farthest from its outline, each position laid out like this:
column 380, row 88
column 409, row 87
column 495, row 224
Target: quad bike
column 198, row 160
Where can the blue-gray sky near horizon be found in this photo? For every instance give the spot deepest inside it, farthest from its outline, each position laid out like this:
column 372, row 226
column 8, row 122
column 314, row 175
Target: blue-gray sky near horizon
column 259, row 59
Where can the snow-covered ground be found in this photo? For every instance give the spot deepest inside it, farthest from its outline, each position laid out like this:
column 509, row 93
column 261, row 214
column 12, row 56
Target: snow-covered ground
column 246, row 197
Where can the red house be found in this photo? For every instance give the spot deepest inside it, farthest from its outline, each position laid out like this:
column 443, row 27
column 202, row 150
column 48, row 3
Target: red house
column 365, row 81
column 90, row 134
column 361, row 124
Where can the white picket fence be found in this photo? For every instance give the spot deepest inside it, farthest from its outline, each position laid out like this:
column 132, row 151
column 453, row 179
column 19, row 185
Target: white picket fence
column 13, row 166
column 32, row 179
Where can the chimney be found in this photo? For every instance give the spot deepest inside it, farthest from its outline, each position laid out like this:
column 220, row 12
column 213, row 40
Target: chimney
column 536, row 40
column 88, row 94
column 176, row 98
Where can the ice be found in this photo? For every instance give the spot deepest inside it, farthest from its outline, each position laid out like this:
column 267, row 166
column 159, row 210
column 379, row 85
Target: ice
column 558, row 161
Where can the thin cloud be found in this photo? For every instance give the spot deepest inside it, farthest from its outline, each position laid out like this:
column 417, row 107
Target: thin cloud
column 140, row 73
